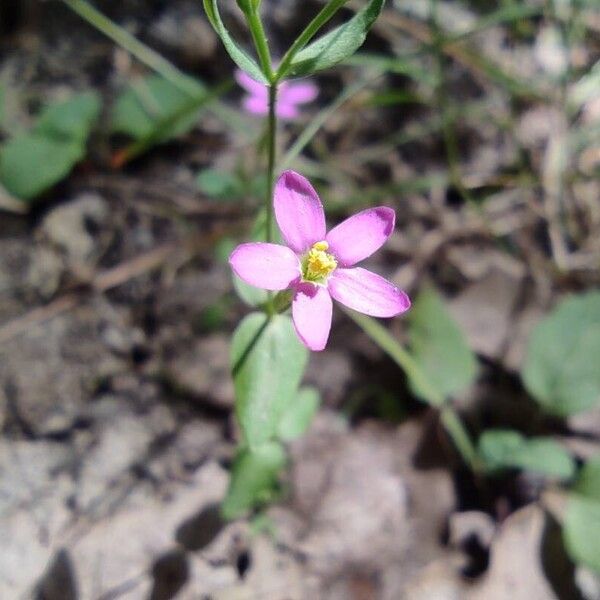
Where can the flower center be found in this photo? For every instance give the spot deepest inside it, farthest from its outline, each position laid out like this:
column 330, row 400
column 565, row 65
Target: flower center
column 318, row 263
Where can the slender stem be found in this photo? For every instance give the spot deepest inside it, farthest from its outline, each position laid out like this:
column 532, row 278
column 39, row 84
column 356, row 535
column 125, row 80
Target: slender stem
column 271, row 135
column 460, row 436
column 322, row 17
column 450, row 419
column 384, row 339
column 260, row 43
column 271, row 152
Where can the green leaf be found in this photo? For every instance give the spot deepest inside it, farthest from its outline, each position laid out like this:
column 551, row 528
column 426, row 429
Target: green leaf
column 439, row 347
column 506, row 449
column 71, row 120
column 268, row 362
column 32, row 162
column 248, row 294
column 254, row 479
column 150, row 102
column 561, row 367
column 581, row 530
column 299, row 414
column 239, row 56
column 338, row 44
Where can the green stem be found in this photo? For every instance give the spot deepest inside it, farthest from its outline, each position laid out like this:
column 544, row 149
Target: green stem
column 271, row 152
column 260, row 43
column 461, row 438
column 450, row 419
column 384, row 339
column 322, row 17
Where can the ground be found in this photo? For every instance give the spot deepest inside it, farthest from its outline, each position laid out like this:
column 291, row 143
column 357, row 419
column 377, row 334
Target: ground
column 116, row 308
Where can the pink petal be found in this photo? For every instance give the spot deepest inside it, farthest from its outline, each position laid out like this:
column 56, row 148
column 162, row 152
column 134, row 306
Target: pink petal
column 298, row 211
column 267, row 266
column 359, row 236
column 286, row 110
column 367, row 292
column 253, row 87
column 311, row 312
column 299, row 93
column 255, row 105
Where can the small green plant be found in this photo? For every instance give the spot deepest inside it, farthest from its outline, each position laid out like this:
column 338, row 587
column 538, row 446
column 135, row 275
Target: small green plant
column 270, row 348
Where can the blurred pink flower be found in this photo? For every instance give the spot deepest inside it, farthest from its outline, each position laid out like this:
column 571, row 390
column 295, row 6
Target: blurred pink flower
column 289, row 96
column 318, row 266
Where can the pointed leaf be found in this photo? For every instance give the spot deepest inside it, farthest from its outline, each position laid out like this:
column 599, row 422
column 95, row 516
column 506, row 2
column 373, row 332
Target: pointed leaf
column 335, row 46
column 268, row 362
column 239, row 56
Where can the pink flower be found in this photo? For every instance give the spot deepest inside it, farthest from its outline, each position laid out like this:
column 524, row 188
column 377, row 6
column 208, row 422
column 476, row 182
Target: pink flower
column 318, row 266
column 289, row 96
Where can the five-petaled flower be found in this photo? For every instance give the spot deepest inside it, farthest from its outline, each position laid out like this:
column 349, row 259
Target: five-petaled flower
column 318, row 266
column 289, row 96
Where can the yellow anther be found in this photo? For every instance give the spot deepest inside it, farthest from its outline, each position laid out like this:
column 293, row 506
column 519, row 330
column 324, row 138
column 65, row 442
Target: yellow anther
column 318, row 264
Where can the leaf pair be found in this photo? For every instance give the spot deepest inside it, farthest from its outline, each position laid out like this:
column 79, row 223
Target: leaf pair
column 326, row 51
column 267, row 362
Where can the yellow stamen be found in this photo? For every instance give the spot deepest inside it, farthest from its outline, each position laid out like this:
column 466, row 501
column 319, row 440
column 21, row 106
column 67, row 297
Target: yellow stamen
column 318, row 263
column 321, row 245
